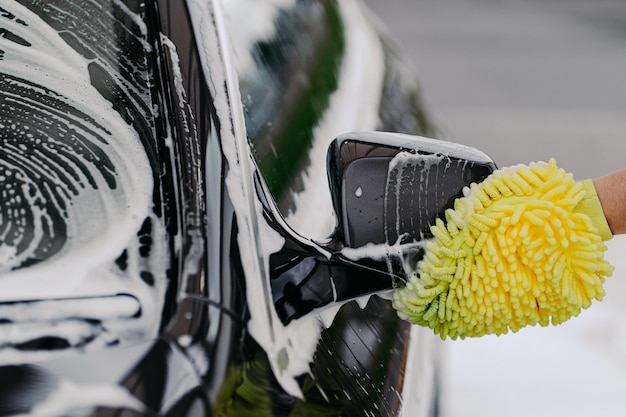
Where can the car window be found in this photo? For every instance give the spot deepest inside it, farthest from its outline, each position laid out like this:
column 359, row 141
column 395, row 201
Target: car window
column 287, row 55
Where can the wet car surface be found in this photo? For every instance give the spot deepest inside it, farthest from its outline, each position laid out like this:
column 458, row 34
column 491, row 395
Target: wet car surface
column 151, row 152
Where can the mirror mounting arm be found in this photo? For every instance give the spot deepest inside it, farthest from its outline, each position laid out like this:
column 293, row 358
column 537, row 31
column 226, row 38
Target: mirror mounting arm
column 306, row 275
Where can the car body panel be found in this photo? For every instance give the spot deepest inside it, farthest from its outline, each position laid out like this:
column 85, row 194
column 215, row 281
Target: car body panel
column 175, row 73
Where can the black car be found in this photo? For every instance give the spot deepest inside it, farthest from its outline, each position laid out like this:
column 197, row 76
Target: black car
column 169, row 241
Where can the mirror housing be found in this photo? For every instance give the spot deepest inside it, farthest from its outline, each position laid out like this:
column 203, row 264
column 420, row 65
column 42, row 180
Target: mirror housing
column 387, row 190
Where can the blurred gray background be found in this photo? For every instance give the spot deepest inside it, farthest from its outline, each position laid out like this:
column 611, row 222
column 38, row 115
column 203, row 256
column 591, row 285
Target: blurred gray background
column 522, row 80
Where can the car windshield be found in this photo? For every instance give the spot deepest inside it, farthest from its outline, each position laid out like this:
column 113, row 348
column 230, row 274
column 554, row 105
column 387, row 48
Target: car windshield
column 83, row 243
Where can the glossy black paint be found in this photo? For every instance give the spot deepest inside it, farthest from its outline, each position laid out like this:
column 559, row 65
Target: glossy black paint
column 204, row 362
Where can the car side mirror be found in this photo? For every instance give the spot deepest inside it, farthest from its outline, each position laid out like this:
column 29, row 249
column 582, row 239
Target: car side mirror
column 387, row 190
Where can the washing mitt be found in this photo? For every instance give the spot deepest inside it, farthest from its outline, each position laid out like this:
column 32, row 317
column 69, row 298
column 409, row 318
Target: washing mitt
column 523, row 247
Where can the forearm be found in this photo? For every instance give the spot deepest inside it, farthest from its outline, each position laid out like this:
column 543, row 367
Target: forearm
column 611, row 191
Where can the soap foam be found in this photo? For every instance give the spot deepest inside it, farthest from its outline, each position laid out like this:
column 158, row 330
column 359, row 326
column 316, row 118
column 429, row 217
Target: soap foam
column 101, row 202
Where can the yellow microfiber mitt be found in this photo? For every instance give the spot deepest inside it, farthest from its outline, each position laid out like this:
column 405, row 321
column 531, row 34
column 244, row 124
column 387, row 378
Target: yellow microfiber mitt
column 520, row 248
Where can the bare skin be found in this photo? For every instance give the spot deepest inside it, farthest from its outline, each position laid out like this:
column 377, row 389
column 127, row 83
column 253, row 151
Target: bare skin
column 611, row 191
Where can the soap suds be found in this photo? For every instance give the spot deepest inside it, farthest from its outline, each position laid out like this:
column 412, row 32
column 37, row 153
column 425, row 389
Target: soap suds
column 89, row 185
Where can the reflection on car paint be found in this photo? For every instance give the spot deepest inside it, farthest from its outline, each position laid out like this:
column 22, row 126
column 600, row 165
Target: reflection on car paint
column 296, row 74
